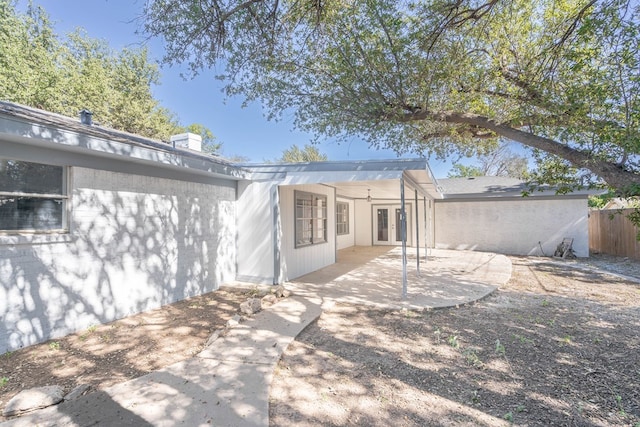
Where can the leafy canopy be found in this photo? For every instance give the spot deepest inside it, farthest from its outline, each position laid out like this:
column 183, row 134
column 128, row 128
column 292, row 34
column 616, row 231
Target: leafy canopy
column 66, row 75
column 308, row 153
column 434, row 77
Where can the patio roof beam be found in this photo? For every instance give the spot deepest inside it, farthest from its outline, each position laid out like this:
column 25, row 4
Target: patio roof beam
column 413, row 184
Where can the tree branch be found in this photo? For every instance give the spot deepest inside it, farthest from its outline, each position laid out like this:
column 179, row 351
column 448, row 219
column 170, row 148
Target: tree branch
column 612, row 173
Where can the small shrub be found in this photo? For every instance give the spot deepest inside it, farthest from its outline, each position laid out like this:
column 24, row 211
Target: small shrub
column 453, row 341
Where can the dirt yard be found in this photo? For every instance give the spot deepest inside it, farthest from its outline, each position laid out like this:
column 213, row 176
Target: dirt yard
column 555, row 346
column 108, row 354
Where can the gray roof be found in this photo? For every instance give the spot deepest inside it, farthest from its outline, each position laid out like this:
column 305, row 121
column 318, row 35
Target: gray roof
column 56, row 130
column 488, row 185
column 496, row 186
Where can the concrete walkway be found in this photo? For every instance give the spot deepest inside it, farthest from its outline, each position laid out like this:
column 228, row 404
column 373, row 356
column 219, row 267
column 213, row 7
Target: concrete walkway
column 228, row 383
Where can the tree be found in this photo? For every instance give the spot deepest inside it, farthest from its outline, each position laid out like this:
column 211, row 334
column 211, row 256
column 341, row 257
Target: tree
column 209, row 140
column 66, row 75
column 435, row 76
column 463, row 171
column 28, row 51
column 308, row 153
column 497, row 162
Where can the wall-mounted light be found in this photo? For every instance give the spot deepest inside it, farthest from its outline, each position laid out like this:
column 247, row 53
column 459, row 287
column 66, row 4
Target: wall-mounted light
column 369, row 195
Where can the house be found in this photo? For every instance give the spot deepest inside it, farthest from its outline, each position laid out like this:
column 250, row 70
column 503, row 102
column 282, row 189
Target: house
column 97, row 224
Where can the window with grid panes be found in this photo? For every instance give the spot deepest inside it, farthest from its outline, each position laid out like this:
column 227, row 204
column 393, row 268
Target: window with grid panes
column 310, row 218
column 33, row 197
column 342, row 218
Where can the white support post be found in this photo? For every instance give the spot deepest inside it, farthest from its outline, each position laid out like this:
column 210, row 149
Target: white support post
column 403, row 224
column 427, row 225
column 417, row 235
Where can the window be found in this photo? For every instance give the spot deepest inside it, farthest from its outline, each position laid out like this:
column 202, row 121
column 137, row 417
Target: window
column 311, row 219
column 342, row 218
column 33, row 196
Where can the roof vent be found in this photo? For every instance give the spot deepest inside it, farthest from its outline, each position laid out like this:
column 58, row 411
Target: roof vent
column 188, row 140
column 86, row 117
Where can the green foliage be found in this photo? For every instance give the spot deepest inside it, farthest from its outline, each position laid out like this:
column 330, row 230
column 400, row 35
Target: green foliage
column 599, row 201
column 494, row 161
column 210, row 143
column 3, row 381
column 472, row 358
column 66, row 75
column 434, row 77
column 461, row 171
column 453, row 341
column 308, row 153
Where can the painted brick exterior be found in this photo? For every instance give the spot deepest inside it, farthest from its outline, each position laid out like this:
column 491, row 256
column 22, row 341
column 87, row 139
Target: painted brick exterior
column 135, row 243
column 513, row 226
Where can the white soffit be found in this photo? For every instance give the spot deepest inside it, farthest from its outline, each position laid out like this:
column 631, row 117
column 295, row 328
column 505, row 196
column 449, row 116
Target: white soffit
column 354, row 179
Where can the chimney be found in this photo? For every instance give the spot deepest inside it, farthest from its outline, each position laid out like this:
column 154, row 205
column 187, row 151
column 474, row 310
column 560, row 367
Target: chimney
column 86, row 117
column 187, row 140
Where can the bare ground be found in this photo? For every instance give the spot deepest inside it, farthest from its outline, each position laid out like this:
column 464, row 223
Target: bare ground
column 555, row 346
column 108, row 354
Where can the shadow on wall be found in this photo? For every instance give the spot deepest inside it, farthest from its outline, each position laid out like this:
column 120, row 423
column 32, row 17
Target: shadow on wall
column 136, row 243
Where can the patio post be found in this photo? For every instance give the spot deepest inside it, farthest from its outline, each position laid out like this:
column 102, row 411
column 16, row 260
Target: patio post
column 417, row 235
column 403, row 231
column 426, row 229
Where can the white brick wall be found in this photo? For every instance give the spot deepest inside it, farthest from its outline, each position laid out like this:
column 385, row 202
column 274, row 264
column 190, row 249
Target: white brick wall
column 135, row 243
column 513, row 226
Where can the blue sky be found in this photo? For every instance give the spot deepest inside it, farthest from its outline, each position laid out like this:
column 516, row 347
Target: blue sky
column 243, row 131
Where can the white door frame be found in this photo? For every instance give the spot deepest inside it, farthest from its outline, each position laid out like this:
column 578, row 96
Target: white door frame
column 389, row 235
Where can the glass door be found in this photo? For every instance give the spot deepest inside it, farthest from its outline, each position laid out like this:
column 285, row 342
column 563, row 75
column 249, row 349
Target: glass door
column 382, row 226
column 387, row 225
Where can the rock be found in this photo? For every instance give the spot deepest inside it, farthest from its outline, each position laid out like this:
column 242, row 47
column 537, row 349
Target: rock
column 77, row 392
column 251, row 306
column 234, row 321
column 268, row 300
column 214, row 336
column 279, row 291
column 32, row 399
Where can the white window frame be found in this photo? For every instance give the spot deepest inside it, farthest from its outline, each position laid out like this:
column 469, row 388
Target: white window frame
column 310, row 218
column 60, row 198
column 342, row 218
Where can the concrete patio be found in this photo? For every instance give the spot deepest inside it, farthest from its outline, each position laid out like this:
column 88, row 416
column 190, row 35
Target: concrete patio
column 372, row 275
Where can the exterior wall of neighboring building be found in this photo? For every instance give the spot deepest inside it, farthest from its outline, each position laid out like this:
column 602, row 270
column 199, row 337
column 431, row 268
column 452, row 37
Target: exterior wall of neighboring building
column 348, row 240
column 517, row 226
column 134, row 243
column 299, row 261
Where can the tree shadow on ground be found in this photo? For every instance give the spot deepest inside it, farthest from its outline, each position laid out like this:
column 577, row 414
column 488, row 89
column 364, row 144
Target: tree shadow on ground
column 516, row 357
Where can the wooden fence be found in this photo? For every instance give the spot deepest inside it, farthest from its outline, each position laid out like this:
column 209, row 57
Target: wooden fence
column 610, row 232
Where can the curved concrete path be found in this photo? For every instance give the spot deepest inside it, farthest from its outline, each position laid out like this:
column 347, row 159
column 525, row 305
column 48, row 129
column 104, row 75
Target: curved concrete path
column 227, row 384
